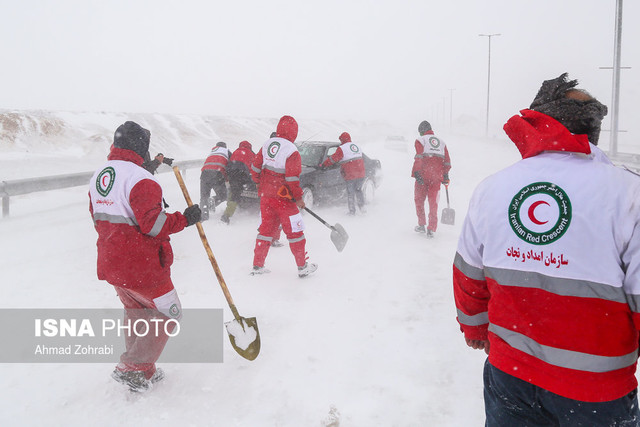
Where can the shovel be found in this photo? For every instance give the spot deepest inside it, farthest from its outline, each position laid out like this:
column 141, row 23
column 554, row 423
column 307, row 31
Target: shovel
column 243, row 332
column 339, row 235
column 448, row 214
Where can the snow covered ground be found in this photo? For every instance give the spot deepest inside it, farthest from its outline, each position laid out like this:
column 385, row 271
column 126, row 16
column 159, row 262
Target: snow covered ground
column 370, row 340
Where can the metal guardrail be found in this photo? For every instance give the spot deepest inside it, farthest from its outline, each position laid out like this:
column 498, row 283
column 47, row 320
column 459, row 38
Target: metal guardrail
column 19, row 187
column 629, row 160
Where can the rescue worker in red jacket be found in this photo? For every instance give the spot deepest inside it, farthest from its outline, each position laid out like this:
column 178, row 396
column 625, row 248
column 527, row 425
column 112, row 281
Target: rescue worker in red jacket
column 349, row 156
column 239, row 176
column 134, row 253
column 276, row 169
column 430, row 169
column 213, row 175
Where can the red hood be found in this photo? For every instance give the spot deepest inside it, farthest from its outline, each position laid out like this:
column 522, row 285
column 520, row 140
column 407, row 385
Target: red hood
column 245, row 144
column 534, row 132
column 287, row 128
column 124, row 154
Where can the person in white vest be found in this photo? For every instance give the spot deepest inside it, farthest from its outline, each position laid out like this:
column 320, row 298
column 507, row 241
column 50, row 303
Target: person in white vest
column 276, row 170
column 546, row 276
column 430, row 169
column 134, row 253
column 349, row 157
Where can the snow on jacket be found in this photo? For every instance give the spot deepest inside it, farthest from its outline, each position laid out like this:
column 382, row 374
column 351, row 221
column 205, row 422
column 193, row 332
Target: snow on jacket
column 548, row 265
column 133, row 228
column 432, row 158
column 349, row 156
column 277, row 163
column 217, row 160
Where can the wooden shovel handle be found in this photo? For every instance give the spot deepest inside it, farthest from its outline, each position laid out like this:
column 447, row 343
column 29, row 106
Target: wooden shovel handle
column 205, row 243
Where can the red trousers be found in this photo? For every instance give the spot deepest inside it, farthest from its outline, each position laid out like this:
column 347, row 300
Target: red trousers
column 276, row 211
column 431, row 191
column 142, row 350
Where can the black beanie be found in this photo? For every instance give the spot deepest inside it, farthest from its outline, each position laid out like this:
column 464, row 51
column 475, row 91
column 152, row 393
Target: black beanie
column 423, row 127
column 132, row 136
column 578, row 116
column 221, row 144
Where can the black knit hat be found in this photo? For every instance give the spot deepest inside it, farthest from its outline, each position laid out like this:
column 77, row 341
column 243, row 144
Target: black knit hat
column 221, row 144
column 423, row 127
column 579, row 116
column 132, row 136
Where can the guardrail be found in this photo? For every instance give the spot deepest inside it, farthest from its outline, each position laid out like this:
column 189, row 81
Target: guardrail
column 19, row 187
column 629, row 160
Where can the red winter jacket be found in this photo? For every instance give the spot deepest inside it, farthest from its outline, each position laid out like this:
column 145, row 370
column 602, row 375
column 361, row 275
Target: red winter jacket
column 287, row 168
column 430, row 167
column 547, row 265
column 217, row 160
column 351, row 165
column 244, row 154
column 133, row 249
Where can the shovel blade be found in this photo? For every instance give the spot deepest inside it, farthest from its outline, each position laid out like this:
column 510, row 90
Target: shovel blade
column 339, row 237
column 448, row 216
column 244, row 337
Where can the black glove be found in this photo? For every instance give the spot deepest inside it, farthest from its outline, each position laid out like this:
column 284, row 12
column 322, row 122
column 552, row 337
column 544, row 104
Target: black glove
column 193, row 214
column 445, row 178
column 418, row 178
column 167, row 161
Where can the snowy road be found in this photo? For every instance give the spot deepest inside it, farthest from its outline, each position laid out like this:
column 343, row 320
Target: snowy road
column 372, row 335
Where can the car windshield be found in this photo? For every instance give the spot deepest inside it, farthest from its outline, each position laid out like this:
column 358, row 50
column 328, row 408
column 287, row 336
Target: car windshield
column 311, row 154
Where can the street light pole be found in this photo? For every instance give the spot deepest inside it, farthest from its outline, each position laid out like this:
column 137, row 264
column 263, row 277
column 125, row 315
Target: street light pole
column 488, row 36
column 615, row 98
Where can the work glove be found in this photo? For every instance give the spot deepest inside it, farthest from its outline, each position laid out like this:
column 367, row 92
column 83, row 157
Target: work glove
column 193, row 214
column 445, row 179
column 167, row 161
column 418, row 178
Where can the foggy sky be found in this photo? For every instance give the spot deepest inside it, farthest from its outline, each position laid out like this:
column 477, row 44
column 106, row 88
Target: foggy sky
column 394, row 60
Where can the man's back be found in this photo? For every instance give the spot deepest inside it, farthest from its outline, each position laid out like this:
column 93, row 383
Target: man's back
column 555, row 236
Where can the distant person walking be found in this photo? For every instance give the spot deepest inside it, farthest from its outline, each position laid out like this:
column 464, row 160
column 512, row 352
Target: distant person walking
column 134, row 253
column 277, row 167
column 430, row 169
column 213, row 175
column 349, row 157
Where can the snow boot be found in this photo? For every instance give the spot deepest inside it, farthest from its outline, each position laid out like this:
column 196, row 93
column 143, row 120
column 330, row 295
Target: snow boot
column 259, row 270
column 135, row 380
column 307, row 269
column 157, row 376
column 224, row 218
column 420, row 229
column 430, row 234
column 275, row 243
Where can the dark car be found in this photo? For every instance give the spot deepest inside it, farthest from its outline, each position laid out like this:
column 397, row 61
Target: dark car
column 321, row 185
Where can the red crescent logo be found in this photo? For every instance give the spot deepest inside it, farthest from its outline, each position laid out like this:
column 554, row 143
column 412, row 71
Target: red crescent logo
column 104, row 184
column 531, row 212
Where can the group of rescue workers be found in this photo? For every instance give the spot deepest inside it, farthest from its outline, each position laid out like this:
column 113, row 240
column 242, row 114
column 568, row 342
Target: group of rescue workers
column 128, row 211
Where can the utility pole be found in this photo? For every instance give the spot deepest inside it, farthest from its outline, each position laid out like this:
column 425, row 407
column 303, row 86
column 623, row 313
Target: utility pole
column 486, row 130
column 615, row 86
column 615, row 98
